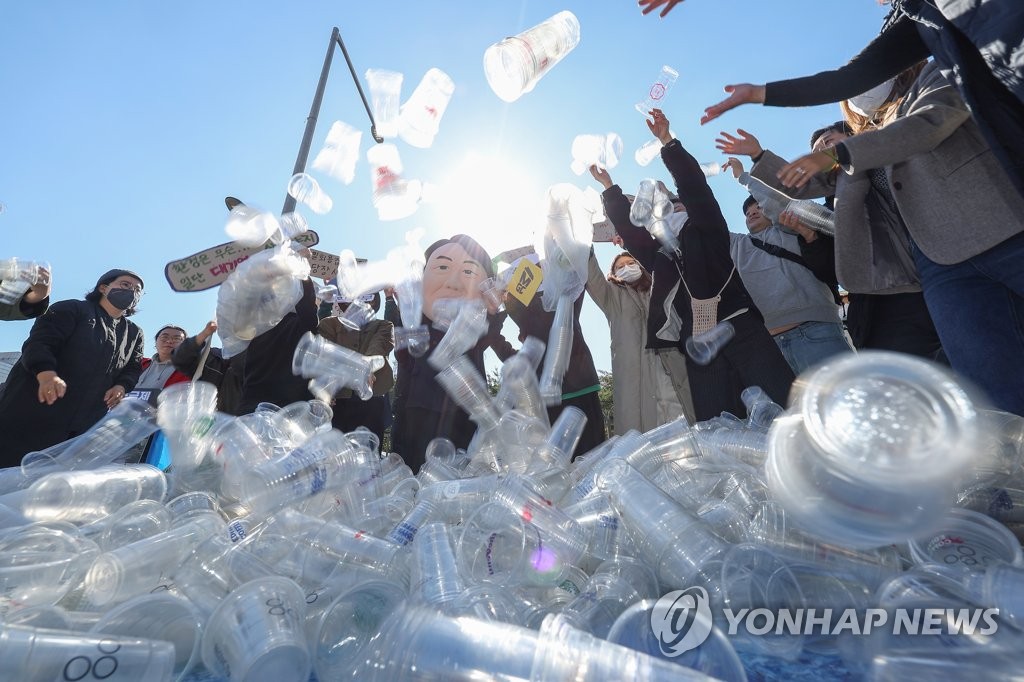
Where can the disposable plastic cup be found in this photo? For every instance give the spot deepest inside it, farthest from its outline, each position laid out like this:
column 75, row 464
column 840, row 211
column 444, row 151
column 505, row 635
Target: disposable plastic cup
column 350, row 628
column 755, row 578
column 415, row 339
column 126, row 424
column 614, row 586
column 749, row 446
column 603, row 151
column 671, row 539
column 304, row 188
column 469, row 324
column 300, row 421
column 520, row 388
column 235, row 447
column 967, row 541
column 761, row 410
column 159, row 617
column 463, row 382
column 514, row 65
column 1001, row 586
column 703, row 348
column 217, row 566
column 393, row 196
column 424, row 644
column 340, row 153
column 601, row 524
column 257, row 633
column 671, row 442
column 365, row 439
column 385, row 91
column 491, row 603
column 559, row 534
column 422, row 513
column 492, row 290
column 565, row 435
column 36, row 655
column 420, row 116
column 435, row 575
column 715, row 657
column 188, row 506
column 935, row 582
column 90, row 495
column 132, row 522
column 147, row 565
column 814, row 215
column 658, row 90
column 498, row 545
column 40, row 564
column 540, row 601
column 556, row 359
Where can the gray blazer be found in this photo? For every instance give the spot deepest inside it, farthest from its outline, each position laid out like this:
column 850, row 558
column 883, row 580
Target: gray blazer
column 872, row 255
column 955, row 198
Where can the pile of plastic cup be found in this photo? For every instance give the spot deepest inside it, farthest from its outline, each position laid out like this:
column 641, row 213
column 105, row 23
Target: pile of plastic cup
column 311, row 550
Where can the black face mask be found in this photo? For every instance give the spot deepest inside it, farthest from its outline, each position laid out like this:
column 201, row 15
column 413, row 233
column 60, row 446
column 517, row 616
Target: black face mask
column 123, row 299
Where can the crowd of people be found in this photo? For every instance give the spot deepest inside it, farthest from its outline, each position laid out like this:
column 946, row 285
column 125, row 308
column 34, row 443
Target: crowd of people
column 924, row 173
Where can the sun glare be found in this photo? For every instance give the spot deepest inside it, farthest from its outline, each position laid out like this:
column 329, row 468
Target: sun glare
column 493, row 202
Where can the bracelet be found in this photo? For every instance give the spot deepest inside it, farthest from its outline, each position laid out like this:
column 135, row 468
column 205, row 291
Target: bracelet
column 835, row 159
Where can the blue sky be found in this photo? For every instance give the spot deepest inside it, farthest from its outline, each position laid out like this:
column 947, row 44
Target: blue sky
column 125, row 124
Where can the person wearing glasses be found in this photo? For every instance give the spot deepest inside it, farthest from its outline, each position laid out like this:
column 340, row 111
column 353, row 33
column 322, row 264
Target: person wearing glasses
column 158, row 371
column 79, row 361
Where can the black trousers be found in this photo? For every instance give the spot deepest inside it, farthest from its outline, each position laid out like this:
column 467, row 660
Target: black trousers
column 751, row 359
column 351, row 413
column 897, row 322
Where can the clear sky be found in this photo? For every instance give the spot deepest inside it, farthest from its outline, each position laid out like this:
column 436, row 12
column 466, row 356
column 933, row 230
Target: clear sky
column 126, row 123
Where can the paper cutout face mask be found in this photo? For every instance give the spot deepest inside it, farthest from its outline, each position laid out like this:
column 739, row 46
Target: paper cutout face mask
column 451, row 273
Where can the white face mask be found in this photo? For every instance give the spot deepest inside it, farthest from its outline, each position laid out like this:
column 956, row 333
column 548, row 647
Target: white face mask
column 628, row 273
column 866, row 104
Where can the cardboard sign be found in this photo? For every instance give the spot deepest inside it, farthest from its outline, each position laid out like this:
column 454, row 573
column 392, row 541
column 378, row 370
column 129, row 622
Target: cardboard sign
column 525, row 281
column 325, row 265
column 209, row 268
column 604, row 231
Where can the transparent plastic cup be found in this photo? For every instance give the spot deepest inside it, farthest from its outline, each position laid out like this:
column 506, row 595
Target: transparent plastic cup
column 315, row 357
column 559, row 348
column 216, row 566
column 614, row 586
column 340, row 153
column 132, row 522
column 185, row 414
column 658, row 90
column 761, row 410
column 463, row 382
column 642, row 208
column 601, row 524
column 648, row 152
column 350, row 628
column 304, row 188
column 357, row 315
column 385, row 95
column 818, row 217
column 34, row 655
column 749, row 446
column 540, row 601
column 393, row 197
column 715, row 657
column 490, row 603
column 249, row 226
column 565, row 436
column 468, row 325
column 416, row 339
column 47, row 617
column 257, row 633
column 40, row 564
column 520, row 388
column 564, row 541
column 146, row 565
column 492, row 290
column 404, row 532
column 498, row 546
column 514, row 65
column 300, row 421
column 189, row 506
column 877, row 450
column 420, row 117
column 125, row 425
column 158, row 617
column 755, row 578
column 670, row 539
column 967, row 541
column 435, row 574
column 674, row 441
column 90, row 495
column 1000, row 586
column 17, row 276
column 703, row 348
column 603, row 151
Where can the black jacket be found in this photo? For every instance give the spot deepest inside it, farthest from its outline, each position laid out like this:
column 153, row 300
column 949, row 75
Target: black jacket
column 267, row 374
column 705, row 260
column 89, row 350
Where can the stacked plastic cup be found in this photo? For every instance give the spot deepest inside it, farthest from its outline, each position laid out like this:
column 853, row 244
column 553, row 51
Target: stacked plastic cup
column 559, row 348
column 874, row 449
column 463, row 382
column 340, row 153
column 514, row 65
column 674, row 542
column 435, row 574
column 40, row 564
column 186, row 413
column 614, row 586
column 818, row 217
column 519, row 386
column 333, row 367
column 18, row 276
column 420, row 116
column 90, row 495
column 468, row 325
column 33, row 655
column 967, row 541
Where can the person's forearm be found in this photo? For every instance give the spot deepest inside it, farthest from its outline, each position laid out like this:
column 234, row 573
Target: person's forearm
column 887, row 55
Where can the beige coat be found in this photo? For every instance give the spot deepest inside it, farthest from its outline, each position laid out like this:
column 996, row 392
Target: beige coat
column 636, row 369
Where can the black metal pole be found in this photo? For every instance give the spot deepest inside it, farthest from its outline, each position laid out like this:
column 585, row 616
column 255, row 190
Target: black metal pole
column 314, row 111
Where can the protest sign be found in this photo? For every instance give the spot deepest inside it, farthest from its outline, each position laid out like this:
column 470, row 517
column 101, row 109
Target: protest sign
column 209, row 268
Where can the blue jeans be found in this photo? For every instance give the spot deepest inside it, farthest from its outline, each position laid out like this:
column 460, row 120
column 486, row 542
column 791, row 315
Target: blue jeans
column 978, row 309
column 811, row 343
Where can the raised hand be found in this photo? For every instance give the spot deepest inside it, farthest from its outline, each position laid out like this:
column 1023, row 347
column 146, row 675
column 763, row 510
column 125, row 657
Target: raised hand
column 659, row 126
column 799, row 172
column 651, row 5
column 602, row 176
column 743, row 143
column 788, row 219
column 742, row 93
column 735, row 165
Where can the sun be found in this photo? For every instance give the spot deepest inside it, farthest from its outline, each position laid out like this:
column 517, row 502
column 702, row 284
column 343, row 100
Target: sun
column 491, row 201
